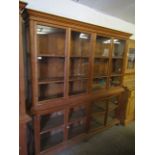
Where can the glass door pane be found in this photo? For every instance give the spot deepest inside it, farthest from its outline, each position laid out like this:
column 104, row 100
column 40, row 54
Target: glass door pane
column 51, row 60
column 51, row 138
column 79, row 62
column 131, row 59
column 98, row 113
column 101, row 62
column 117, row 62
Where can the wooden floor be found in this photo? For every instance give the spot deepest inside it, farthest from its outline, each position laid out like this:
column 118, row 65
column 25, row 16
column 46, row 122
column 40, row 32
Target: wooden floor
column 118, row 140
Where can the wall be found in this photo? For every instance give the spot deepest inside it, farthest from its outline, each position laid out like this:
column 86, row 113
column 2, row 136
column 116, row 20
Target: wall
column 70, row 9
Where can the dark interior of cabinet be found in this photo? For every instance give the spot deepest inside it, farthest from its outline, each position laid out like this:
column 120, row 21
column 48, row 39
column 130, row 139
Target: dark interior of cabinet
column 80, row 44
column 76, row 128
column 50, row 41
column 77, row 112
column 52, row 120
column 51, row 91
column 111, row 117
column 117, row 65
column 115, row 81
column 78, row 87
column 51, row 139
column 99, row 83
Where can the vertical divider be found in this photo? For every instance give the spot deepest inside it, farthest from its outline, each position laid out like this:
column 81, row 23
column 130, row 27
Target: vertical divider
column 67, row 62
column 37, row 134
column 110, row 62
column 34, row 66
column 124, row 59
column 91, row 61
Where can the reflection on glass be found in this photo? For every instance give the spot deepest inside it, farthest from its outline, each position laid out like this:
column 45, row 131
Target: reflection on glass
column 50, row 40
column 102, row 46
column 131, row 58
column 80, row 44
column 119, row 46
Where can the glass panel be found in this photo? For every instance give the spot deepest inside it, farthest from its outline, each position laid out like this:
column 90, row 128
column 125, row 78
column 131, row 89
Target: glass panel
column 51, row 91
column 77, row 112
column 99, row 83
column 51, row 120
column 102, row 46
column 97, row 121
column 50, row 41
column 101, row 67
column 115, row 81
column 113, row 103
column 50, row 69
column 80, row 44
column 79, row 68
column 111, row 117
column 51, row 139
column 78, row 87
column 99, row 109
column 76, row 128
column 131, row 58
column 119, row 47
column 117, row 65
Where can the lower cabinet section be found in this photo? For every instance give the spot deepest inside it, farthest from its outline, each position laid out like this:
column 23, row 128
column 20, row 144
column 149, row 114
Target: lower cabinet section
column 59, row 127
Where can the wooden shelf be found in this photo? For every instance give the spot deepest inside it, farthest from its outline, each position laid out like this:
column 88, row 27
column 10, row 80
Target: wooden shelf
column 51, row 56
column 117, row 57
column 116, row 74
column 78, row 78
column 51, row 129
column 51, row 80
column 79, row 57
column 100, row 77
column 101, row 57
column 60, row 95
column 52, row 122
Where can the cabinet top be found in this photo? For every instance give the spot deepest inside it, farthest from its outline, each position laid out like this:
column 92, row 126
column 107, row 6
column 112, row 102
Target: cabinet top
column 71, row 23
column 22, row 5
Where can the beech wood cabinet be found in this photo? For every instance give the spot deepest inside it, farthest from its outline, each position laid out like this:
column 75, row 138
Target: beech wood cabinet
column 76, row 78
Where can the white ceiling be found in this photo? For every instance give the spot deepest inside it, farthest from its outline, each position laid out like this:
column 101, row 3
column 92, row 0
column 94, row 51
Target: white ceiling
column 123, row 9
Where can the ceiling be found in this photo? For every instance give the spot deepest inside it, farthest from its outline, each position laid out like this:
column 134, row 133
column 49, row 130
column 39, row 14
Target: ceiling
column 123, row 9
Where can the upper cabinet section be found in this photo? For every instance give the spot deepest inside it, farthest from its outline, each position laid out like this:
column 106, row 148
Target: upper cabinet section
column 50, row 41
column 71, row 58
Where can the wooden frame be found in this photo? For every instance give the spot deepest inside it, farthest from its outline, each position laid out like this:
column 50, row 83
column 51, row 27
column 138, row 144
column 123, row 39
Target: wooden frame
column 23, row 117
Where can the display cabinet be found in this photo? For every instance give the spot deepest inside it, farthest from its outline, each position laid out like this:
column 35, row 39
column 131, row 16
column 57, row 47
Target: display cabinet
column 76, row 78
column 24, row 118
